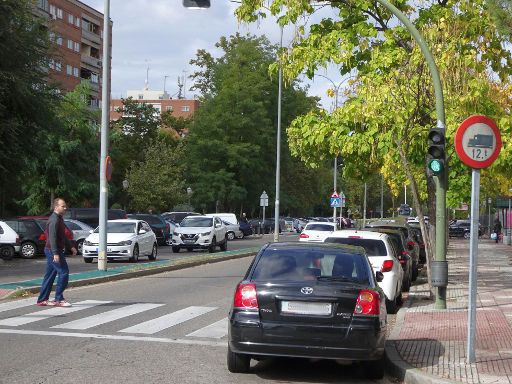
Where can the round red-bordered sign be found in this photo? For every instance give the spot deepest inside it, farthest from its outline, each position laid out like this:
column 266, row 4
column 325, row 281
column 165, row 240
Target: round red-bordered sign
column 478, row 141
column 108, row 168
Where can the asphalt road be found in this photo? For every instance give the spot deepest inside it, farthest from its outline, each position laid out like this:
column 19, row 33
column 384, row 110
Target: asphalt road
column 19, row 269
column 123, row 332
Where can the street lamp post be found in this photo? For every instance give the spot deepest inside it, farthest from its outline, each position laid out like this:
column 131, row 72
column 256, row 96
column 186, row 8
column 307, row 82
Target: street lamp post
column 105, row 117
column 278, row 149
column 489, row 202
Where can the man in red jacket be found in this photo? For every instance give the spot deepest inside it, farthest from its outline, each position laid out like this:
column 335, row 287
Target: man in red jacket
column 54, row 250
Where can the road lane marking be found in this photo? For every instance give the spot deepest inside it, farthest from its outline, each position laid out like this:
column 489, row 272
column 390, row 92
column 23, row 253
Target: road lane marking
column 51, row 312
column 107, row 317
column 114, row 337
column 160, row 323
column 17, row 304
column 216, row 330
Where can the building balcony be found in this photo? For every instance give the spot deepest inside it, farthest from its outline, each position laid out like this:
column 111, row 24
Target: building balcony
column 95, row 87
column 92, row 37
column 92, row 61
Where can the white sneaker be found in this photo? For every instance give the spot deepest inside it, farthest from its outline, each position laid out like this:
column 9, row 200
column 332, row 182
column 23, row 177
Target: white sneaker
column 62, row 303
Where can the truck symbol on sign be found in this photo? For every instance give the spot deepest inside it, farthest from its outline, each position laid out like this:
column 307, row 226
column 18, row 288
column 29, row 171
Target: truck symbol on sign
column 481, row 141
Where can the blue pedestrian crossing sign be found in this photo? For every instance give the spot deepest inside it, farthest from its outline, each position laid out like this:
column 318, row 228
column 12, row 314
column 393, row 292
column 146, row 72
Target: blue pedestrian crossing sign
column 335, row 200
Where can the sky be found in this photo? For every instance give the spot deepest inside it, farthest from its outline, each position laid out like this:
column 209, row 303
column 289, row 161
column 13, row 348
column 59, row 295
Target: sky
column 164, row 36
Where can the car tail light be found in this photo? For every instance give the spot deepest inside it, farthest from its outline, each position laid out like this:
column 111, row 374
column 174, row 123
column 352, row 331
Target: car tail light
column 368, row 303
column 411, row 244
column 354, row 237
column 387, row 266
column 42, row 237
column 245, row 296
column 304, row 236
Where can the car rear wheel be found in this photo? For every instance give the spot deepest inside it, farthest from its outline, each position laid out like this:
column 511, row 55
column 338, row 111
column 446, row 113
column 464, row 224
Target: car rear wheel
column 467, row 235
column 392, row 305
column 28, row 250
column 88, row 259
column 80, row 246
column 7, row 252
column 231, row 236
column 153, row 254
column 238, row 363
column 135, row 254
column 375, row 369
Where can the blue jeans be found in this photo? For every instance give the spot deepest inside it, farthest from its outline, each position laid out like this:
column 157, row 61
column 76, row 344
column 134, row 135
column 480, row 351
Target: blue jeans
column 59, row 270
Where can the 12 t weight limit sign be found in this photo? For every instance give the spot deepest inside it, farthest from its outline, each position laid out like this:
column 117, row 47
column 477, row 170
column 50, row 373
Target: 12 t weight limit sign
column 478, row 141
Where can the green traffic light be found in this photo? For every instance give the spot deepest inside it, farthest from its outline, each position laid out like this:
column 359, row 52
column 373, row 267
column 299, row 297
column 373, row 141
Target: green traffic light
column 436, row 166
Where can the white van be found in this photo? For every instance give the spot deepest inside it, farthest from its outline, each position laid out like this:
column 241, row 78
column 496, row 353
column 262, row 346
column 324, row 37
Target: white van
column 9, row 241
column 231, row 223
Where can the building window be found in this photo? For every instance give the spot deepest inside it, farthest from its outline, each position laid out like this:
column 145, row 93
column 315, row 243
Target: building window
column 77, row 22
column 58, row 66
column 185, row 108
column 141, row 97
column 70, row 44
column 77, row 47
column 59, row 39
column 52, row 64
column 95, row 78
column 71, row 19
column 53, row 11
column 69, row 70
column 76, row 73
column 51, row 35
column 59, row 13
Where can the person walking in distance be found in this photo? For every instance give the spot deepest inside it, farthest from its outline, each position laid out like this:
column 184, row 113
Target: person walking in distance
column 497, row 229
column 54, row 250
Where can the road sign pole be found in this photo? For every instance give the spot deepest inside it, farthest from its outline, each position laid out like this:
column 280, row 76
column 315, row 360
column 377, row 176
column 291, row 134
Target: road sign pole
column 473, row 261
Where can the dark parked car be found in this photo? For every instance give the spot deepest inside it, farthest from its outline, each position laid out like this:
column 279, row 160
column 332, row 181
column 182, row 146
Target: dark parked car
column 417, row 230
column 462, row 228
column 267, row 226
column 158, row 224
column 91, row 216
column 245, row 227
column 32, row 237
column 177, row 217
column 308, row 300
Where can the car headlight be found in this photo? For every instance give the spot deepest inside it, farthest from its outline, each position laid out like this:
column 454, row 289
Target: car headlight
column 126, row 242
column 206, row 233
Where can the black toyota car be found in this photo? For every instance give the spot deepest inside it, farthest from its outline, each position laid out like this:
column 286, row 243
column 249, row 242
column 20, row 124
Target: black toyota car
column 312, row 301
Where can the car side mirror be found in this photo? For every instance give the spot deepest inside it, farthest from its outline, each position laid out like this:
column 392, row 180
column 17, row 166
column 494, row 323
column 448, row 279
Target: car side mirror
column 379, row 276
column 142, row 231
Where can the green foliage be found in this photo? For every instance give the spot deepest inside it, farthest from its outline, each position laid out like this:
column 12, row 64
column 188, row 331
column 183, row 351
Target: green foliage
column 157, row 182
column 231, row 146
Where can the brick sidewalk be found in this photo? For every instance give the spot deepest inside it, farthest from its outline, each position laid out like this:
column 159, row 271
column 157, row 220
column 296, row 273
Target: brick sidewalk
column 435, row 341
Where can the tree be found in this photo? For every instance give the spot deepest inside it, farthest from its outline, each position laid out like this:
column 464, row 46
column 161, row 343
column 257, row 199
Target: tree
column 153, row 186
column 26, row 98
column 231, row 146
column 390, row 104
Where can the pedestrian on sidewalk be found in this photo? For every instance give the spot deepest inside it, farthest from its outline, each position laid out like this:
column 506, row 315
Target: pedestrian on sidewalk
column 56, row 266
column 497, row 229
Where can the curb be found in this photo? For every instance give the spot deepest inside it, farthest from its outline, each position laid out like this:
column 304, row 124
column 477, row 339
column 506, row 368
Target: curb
column 146, row 269
column 399, row 368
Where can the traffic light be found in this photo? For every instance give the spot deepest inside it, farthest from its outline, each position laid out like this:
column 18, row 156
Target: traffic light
column 436, row 151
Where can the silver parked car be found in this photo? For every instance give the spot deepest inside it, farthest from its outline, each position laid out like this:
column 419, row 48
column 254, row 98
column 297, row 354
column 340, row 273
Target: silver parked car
column 80, row 232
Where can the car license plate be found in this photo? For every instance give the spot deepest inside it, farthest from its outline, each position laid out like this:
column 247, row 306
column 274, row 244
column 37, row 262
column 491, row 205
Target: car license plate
column 108, row 250
column 305, row 308
column 190, row 241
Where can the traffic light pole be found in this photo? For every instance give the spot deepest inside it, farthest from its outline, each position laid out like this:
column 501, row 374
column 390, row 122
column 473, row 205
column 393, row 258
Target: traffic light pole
column 440, row 253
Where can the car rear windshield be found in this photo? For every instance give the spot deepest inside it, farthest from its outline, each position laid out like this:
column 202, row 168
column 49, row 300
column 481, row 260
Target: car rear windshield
column 197, row 222
column 319, row 227
column 118, row 228
column 373, row 247
column 148, row 219
column 305, row 264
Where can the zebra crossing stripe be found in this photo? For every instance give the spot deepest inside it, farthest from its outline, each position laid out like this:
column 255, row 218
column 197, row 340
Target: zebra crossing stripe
column 160, row 323
column 216, row 330
column 52, row 312
column 107, row 317
column 17, row 304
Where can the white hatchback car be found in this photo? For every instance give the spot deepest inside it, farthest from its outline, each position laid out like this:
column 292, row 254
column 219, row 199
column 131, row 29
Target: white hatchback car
column 126, row 239
column 382, row 255
column 317, row 231
column 9, row 241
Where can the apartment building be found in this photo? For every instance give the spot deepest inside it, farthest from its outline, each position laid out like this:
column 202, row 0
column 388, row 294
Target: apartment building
column 77, row 32
column 161, row 101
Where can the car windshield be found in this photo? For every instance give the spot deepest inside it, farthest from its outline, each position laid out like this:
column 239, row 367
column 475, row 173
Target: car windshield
column 197, row 222
column 149, row 219
column 118, row 228
column 303, row 264
column 319, row 227
column 373, row 247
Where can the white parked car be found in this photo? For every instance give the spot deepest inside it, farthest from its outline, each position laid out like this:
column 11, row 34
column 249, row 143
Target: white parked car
column 126, row 239
column 317, row 231
column 80, row 232
column 9, row 241
column 384, row 258
column 200, row 232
